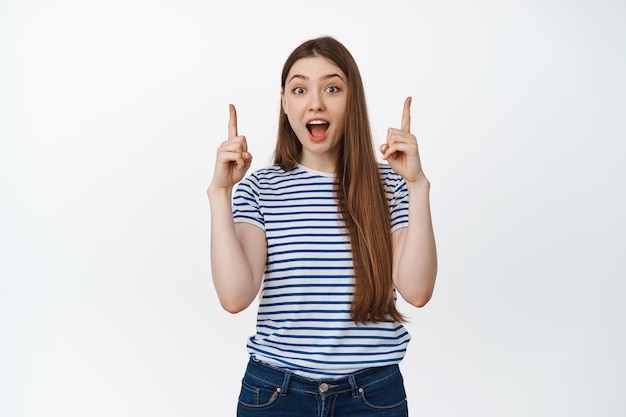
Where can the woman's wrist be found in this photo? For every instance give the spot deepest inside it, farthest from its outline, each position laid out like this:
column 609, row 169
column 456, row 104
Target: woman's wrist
column 215, row 192
column 419, row 185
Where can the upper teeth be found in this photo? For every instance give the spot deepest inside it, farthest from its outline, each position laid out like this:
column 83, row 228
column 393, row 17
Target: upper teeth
column 317, row 122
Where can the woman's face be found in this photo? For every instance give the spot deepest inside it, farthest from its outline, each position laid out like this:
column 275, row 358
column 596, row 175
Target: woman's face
column 315, row 99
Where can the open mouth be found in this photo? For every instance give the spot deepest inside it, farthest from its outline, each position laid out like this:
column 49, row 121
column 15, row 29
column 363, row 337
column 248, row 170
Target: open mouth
column 317, row 128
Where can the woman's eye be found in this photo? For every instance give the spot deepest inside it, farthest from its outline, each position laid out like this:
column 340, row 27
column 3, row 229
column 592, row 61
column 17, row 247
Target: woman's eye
column 332, row 89
column 298, row 90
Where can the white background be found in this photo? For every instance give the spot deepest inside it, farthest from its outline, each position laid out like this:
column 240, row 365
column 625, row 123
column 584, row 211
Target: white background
column 110, row 114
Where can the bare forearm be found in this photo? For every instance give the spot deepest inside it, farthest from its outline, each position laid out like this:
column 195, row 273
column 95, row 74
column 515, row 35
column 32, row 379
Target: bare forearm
column 417, row 264
column 233, row 277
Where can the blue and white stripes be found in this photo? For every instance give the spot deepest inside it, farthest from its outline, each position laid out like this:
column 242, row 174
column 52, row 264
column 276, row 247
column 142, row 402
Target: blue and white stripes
column 303, row 322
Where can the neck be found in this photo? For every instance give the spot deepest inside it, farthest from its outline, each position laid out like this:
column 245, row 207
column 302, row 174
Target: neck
column 319, row 164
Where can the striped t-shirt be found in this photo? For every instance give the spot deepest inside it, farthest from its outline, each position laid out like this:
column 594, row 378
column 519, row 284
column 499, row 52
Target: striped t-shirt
column 303, row 321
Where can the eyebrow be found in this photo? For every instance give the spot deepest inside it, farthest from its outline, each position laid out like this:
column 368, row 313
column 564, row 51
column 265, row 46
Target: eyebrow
column 323, row 78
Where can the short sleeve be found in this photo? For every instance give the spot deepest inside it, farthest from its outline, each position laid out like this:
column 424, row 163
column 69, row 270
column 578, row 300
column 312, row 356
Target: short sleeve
column 397, row 197
column 400, row 207
column 246, row 203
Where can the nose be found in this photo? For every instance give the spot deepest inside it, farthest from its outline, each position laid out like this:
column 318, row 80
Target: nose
column 316, row 102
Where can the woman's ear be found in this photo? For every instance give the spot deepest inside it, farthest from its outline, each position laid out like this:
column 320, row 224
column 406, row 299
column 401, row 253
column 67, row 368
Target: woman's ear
column 282, row 100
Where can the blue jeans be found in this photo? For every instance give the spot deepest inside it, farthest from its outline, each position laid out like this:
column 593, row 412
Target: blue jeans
column 372, row 392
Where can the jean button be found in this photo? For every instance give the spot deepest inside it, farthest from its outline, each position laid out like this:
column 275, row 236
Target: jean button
column 323, row 387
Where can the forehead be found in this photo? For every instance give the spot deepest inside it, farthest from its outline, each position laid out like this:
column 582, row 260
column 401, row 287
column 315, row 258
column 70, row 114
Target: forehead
column 314, row 67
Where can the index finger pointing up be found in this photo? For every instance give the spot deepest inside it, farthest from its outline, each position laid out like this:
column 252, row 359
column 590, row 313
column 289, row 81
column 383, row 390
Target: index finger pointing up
column 406, row 116
column 232, row 122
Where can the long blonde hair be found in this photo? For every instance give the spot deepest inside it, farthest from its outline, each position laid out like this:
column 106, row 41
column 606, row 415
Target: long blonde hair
column 359, row 190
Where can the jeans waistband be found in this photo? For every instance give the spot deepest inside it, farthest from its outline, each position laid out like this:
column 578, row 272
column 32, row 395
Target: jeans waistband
column 286, row 380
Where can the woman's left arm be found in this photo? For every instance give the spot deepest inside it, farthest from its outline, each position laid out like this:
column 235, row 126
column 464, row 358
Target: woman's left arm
column 414, row 250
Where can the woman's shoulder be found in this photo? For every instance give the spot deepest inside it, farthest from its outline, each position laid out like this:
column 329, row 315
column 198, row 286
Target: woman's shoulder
column 388, row 175
column 268, row 172
column 269, row 175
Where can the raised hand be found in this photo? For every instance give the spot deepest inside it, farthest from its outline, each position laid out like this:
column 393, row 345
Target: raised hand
column 401, row 151
column 233, row 158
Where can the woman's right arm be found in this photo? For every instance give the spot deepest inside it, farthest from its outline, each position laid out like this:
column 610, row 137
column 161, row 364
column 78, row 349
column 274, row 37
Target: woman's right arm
column 238, row 251
column 238, row 255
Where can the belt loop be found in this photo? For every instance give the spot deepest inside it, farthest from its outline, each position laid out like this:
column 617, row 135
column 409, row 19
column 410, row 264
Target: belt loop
column 355, row 388
column 285, row 386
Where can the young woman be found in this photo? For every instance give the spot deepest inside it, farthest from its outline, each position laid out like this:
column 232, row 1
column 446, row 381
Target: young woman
column 328, row 235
